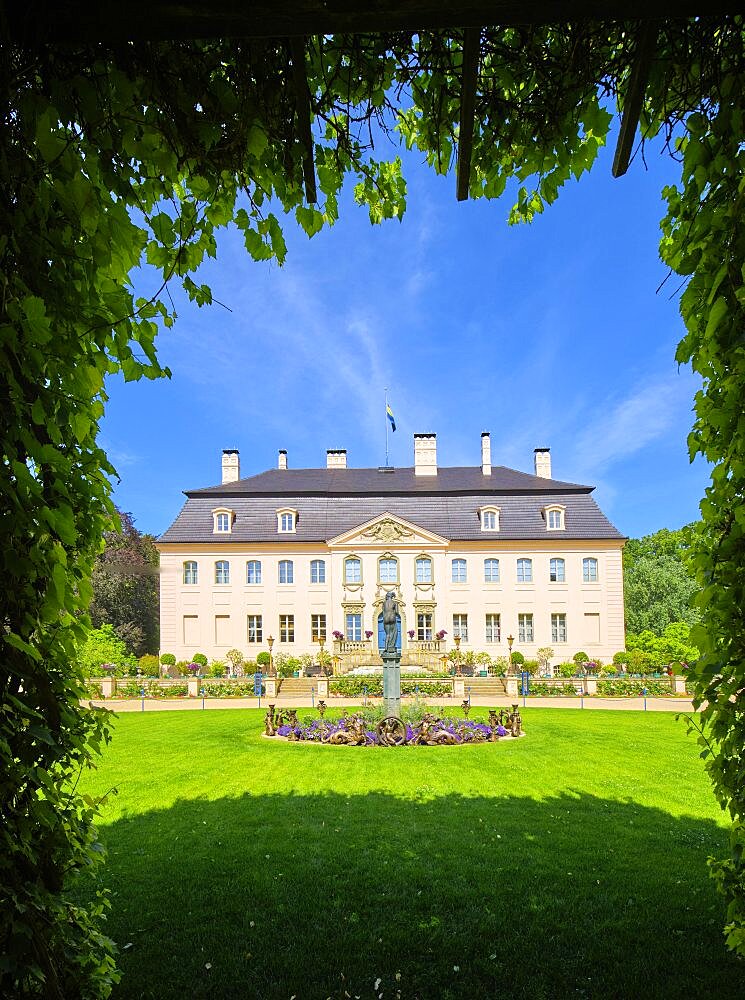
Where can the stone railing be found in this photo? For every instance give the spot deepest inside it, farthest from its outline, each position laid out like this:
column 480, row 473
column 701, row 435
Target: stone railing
column 427, row 645
column 361, row 647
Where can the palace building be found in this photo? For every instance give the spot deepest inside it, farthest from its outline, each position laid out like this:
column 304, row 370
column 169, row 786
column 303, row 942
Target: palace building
column 481, row 553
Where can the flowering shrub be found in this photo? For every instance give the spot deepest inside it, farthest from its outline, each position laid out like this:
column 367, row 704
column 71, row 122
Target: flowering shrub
column 441, row 634
column 539, row 689
column 337, row 634
column 193, row 668
column 368, row 634
column 411, row 633
column 319, row 730
column 352, row 687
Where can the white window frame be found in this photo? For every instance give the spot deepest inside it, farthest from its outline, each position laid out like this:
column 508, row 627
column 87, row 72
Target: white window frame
column 489, row 577
column 455, row 577
column 289, row 573
column 286, row 520
column 190, row 573
column 523, row 564
column 424, row 626
column 557, row 568
column 255, row 628
column 224, row 572
column 525, row 627
column 423, row 569
column 387, row 560
column 489, row 517
column 353, row 626
column 347, row 563
column 460, row 626
column 590, row 566
column 253, row 566
column 222, row 520
column 554, row 512
column 318, row 571
column 287, row 628
column 558, row 627
column 318, row 627
column 493, row 628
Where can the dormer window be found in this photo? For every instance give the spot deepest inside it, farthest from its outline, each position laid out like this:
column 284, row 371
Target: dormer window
column 554, row 517
column 489, row 518
column 222, row 521
column 286, row 520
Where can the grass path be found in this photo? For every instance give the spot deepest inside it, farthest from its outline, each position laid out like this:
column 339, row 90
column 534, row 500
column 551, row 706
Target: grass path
column 570, row 863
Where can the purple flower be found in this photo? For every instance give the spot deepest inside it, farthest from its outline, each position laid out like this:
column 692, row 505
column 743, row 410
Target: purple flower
column 501, row 731
column 284, row 730
column 193, row 668
column 411, row 633
column 368, row 634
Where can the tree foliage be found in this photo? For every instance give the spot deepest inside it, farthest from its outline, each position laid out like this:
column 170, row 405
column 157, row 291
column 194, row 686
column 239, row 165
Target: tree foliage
column 658, row 586
column 135, row 155
column 126, row 594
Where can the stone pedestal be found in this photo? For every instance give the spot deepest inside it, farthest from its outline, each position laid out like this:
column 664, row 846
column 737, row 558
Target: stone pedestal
column 108, row 687
column 392, row 683
column 591, row 685
column 270, row 687
column 323, row 687
column 193, row 684
column 511, row 687
column 459, row 687
column 679, row 684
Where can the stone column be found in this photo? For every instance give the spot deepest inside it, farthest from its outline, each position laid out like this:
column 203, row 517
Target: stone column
column 323, row 687
column 193, row 684
column 510, row 684
column 679, row 684
column 270, row 685
column 392, row 683
column 459, row 687
column 591, row 685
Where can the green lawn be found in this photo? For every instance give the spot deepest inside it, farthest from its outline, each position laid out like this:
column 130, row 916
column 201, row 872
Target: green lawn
column 571, row 863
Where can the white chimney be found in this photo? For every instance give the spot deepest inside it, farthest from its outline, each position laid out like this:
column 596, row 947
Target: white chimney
column 542, row 462
column 336, row 458
column 282, row 461
column 425, row 454
column 486, row 453
column 231, row 465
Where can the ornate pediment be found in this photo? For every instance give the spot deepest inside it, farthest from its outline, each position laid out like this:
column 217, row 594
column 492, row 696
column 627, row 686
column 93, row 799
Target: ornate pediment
column 389, row 530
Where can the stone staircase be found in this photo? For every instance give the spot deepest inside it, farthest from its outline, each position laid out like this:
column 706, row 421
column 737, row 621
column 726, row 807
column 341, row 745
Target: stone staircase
column 486, row 687
column 297, row 687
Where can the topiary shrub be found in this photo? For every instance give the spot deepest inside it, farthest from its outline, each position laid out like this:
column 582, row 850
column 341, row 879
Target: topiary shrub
column 263, row 659
column 216, row 669
column 200, row 658
column 518, row 659
column 566, row 669
column 620, row 657
column 580, row 657
column 168, row 660
column 148, row 665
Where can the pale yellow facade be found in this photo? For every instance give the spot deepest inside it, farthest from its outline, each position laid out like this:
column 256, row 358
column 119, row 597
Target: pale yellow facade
column 568, row 615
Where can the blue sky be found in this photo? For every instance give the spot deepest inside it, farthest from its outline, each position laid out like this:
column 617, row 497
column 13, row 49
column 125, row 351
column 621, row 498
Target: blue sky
column 552, row 334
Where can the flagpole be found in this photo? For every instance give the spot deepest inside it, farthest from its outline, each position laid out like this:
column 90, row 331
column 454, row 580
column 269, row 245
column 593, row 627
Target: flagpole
column 385, row 411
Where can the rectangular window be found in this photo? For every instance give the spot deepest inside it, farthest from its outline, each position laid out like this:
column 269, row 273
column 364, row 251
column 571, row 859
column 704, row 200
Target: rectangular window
column 460, row 627
column 423, row 626
column 253, row 571
column 592, row 628
column 190, row 573
column 318, row 627
column 388, row 569
column 589, row 571
column 491, row 570
column 287, row 522
column 353, row 571
column 424, row 571
column 286, row 571
column 525, row 628
column 222, row 571
column 354, row 627
column 191, row 630
column 493, row 628
column 318, row 571
column 558, row 628
column 459, row 570
column 222, row 630
column 524, row 570
column 556, row 571
column 255, row 628
column 286, row 628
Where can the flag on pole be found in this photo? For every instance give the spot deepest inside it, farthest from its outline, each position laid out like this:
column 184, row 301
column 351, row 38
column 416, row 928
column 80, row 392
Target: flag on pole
column 389, row 414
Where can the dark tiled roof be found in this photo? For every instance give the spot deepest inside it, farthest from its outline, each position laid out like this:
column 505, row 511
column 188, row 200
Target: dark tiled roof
column 376, row 482
column 330, row 502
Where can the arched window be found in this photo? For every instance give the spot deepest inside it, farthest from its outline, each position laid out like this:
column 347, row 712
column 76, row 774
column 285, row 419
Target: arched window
column 286, row 571
column 190, row 572
column 459, row 571
column 554, row 515
column 253, row 571
column 556, row 571
column 286, row 520
column 388, row 570
column 317, row 571
column 222, row 571
column 222, row 520
column 491, row 570
column 525, row 571
column 589, row 570
column 489, row 518
column 353, row 570
column 424, row 570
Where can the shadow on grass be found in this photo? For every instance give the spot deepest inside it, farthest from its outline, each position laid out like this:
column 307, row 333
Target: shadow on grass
column 276, row 896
